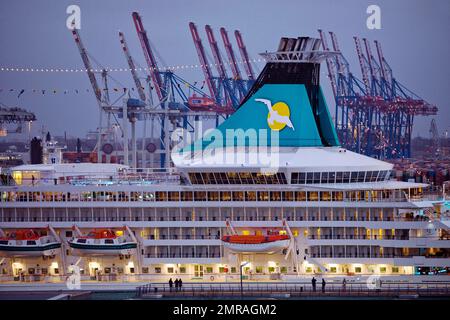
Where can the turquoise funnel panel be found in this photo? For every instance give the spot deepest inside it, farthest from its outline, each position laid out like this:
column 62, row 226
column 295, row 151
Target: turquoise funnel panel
column 326, row 123
column 280, row 112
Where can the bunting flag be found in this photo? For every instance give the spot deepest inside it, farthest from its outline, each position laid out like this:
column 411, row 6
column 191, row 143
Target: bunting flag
column 21, row 92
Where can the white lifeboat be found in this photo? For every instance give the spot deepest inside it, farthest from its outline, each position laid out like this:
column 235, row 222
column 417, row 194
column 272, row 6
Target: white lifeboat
column 102, row 242
column 28, row 243
column 256, row 243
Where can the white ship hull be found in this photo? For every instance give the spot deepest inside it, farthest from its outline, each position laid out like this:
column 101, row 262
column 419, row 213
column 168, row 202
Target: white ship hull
column 48, row 250
column 267, row 247
column 103, row 250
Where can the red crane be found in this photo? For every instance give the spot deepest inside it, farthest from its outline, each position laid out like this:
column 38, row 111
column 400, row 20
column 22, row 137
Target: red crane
column 218, row 61
column 149, row 56
column 244, row 55
column 88, row 66
column 203, row 60
column 362, row 64
column 230, row 54
column 132, row 66
column 216, row 53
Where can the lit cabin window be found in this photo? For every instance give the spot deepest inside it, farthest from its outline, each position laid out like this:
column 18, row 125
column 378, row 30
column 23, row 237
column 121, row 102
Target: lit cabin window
column 17, row 176
column 119, row 233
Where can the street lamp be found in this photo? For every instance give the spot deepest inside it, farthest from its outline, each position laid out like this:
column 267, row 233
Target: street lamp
column 240, row 270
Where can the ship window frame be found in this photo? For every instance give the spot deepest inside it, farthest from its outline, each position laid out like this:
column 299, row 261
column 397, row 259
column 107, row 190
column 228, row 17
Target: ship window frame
column 346, row 176
column 213, row 196
column 332, row 177
column 222, row 196
column 238, row 195
column 324, row 177
column 275, row 196
column 309, row 177
column 250, row 198
column 360, row 176
column 287, row 196
column 171, row 197
column 339, row 177
column 159, row 198
column 301, row 196
column 316, row 177
column 200, row 196
column 263, row 196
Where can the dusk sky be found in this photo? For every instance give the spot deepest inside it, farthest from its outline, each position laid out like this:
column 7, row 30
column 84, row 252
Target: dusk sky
column 414, row 36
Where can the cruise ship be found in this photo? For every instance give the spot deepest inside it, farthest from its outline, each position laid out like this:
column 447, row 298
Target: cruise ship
column 269, row 193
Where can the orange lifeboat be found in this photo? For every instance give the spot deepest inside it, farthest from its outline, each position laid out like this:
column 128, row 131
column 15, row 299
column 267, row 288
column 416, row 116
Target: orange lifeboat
column 256, row 243
column 28, row 243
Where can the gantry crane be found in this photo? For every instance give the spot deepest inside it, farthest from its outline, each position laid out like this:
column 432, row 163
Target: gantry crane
column 204, row 64
column 102, row 96
column 234, row 65
column 132, row 66
column 223, row 82
column 244, row 54
column 373, row 116
column 149, row 57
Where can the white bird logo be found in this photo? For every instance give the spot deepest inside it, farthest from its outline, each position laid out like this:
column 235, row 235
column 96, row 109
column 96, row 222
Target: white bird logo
column 274, row 115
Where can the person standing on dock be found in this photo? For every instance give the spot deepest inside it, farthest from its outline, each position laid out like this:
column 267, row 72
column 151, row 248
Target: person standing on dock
column 344, row 284
column 323, row 285
column 176, row 284
column 180, row 283
column 313, row 281
column 170, row 284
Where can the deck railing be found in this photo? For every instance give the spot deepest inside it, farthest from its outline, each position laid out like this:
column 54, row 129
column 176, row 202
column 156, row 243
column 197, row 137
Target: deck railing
column 294, row 289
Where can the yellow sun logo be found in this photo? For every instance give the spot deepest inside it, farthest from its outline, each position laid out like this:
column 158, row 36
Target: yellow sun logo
column 279, row 115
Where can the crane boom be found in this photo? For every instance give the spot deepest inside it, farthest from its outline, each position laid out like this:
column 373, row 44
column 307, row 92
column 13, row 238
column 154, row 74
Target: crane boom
column 336, row 48
column 362, row 64
column 372, row 67
column 385, row 69
column 380, row 59
column 149, row 56
column 244, row 55
column 132, row 66
column 331, row 74
column 230, row 53
column 203, row 60
column 216, row 53
column 219, row 62
column 88, row 66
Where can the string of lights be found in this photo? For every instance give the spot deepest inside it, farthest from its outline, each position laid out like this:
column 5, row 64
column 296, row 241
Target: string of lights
column 110, row 69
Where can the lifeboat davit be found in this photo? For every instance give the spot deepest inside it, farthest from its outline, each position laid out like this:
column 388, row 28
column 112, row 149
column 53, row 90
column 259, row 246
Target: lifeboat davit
column 256, row 243
column 102, row 242
column 28, row 243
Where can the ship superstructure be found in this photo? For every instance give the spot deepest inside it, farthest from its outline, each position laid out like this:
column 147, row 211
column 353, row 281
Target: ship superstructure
column 270, row 188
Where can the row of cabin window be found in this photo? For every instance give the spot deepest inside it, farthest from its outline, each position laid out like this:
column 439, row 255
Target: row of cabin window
column 196, row 196
column 337, row 177
column 236, row 178
column 279, row 178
